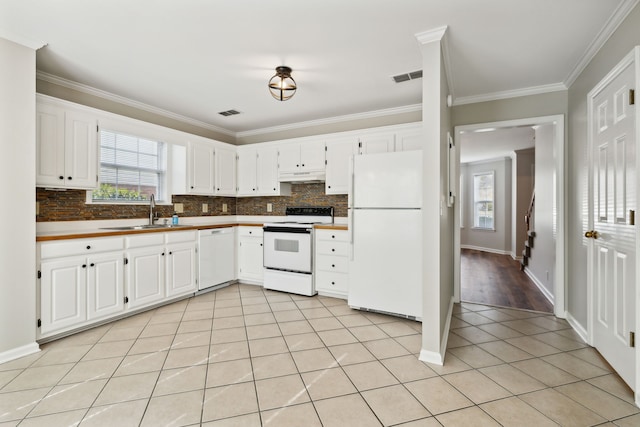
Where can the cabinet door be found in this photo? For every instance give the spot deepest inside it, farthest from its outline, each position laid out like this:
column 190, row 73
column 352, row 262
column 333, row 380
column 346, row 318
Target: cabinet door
column 105, row 285
column 409, row 140
column 145, row 276
column 312, row 156
column 377, row 143
column 247, row 172
column 81, row 150
column 338, row 157
column 181, row 268
column 267, row 171
column 289, row 158
column 50, row 146
column 225, row 171
column 201, row 162
column 63, row 302
column 250, row 263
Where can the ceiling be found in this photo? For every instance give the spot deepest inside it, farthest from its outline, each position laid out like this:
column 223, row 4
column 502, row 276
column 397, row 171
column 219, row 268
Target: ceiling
column 195, row 58
column 485, row 144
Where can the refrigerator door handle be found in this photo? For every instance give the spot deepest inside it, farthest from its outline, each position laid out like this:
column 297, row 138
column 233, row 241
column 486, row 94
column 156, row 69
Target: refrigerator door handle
column 350, row 233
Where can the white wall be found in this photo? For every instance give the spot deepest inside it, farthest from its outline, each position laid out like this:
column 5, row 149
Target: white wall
column 542, row 261
column 498, row 240
column 17, row 221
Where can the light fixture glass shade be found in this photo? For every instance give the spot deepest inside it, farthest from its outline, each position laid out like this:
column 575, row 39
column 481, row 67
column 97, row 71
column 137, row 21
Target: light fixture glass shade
column 282, row 86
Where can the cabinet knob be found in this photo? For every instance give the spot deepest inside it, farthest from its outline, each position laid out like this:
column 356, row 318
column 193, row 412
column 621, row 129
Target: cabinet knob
column 69, row 178
column 250, row 232
column 297, row 166
column 254, row 189
column 61, row 177
column 329, row 186
column 217, row 189
column 333, row 236
column 92, row 265
column 260, row 244
column 88, row 247
column 333, row 265
column 333, row 250
column 303, row 165
column 84, row 265
column 274, row 189
column 170, row 253
column 192, row 187
column 333, row 283
column 162, row 253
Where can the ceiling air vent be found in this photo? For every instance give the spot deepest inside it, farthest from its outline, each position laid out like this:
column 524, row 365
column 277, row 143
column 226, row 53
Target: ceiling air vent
column 407, row 76
column 229, row 113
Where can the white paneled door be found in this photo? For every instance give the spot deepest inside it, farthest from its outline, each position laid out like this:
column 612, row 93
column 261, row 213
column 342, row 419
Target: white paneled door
column 611, row 235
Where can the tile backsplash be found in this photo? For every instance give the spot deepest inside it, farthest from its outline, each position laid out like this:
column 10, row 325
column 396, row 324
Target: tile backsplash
column 70, row 205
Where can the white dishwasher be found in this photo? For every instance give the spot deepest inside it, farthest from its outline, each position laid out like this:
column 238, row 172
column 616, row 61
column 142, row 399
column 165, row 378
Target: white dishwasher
column 216, row 257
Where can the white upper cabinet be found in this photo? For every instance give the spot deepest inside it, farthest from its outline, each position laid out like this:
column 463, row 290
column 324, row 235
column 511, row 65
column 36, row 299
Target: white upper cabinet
column 258, row 172
column 225, row 171
column 200, row 170
column 410, row 139
column 376, row 143
column 301, row 157
column 339, row 152
column 67, row 147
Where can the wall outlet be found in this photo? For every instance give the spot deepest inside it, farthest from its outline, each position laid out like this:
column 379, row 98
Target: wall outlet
column 269, row 207
column 224, row 207
column 178, row 207
column 205, row 207
column 37, row 208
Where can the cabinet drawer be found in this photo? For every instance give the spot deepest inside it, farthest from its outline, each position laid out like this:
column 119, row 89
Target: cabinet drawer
column 336, row 282
column 249, row 231
column 337, row 264
column 80, row 247
column 324, row 247
column 147, row 239
column 332, row 235
column 181, row 236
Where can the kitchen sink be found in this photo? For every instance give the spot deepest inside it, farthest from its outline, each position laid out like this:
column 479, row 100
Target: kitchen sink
column 144, row 227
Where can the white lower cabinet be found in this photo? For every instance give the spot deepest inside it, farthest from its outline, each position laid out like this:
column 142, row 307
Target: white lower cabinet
column 332, row 263
column 81, row 282
column 250, row 255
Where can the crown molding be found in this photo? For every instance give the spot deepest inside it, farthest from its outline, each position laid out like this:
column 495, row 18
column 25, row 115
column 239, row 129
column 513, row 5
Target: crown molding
column 535, row 90
column 332, row 120
column 128, row 102
column 433, row 35
column 614, row 21
column 23, row 41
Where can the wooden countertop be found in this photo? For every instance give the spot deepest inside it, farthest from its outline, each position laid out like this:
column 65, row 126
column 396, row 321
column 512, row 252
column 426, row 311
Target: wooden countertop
column 66, row 235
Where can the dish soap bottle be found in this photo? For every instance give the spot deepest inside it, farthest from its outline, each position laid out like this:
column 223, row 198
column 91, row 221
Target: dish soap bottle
column 174, row 219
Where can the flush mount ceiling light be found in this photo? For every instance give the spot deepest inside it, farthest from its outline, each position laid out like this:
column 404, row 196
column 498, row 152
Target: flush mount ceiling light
column 282, row 86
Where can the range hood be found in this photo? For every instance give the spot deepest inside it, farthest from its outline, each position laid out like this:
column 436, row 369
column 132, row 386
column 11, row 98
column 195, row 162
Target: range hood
column 302, row 177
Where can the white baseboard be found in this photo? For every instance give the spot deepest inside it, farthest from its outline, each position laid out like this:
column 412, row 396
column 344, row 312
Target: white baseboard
column 435, row 357
column 15, row 353
column 540, row 286
column 580, row 330
column 490, row 250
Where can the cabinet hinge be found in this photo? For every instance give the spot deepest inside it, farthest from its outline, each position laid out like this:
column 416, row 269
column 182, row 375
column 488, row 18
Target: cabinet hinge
column 325, row 162
column 359, row 144
column 325, row 148
column 97, row 128
column 632, row 97
column 126, row 300
column 196, row 249
column 632, row 339
column 39, row 323
column 126, row 261
column 39, row 274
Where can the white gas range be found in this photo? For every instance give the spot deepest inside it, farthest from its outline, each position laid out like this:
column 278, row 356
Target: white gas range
column 288, row 250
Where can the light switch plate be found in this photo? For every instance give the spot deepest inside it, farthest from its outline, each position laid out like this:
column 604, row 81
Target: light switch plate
column 269, row 207
column 178, row 207
column 205, row 207
column 224, row 207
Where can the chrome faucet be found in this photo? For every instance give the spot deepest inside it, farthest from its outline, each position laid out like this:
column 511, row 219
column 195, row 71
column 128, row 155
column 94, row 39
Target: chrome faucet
column 152, row 205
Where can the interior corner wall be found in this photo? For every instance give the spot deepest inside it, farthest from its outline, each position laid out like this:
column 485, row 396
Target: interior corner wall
column 621, row 42
column 542, row 263
column 498, row 240
column 18, row 224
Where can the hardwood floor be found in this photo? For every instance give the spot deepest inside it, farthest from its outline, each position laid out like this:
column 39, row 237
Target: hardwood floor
column 494, row 279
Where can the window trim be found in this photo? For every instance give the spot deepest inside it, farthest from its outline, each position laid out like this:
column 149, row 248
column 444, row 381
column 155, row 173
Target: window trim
column 163, row 196
column 475, row 202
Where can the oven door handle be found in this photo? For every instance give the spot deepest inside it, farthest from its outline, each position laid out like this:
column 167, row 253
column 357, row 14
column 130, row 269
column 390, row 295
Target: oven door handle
column 273, row 229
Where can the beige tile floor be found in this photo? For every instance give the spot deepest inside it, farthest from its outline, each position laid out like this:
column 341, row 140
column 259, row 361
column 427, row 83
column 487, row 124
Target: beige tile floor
column 242, row 356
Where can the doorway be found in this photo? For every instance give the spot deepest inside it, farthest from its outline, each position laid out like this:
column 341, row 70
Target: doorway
column 555, row 161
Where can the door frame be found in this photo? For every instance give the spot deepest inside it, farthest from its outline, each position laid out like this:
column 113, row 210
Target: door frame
column 559, row 148
column 631, row 57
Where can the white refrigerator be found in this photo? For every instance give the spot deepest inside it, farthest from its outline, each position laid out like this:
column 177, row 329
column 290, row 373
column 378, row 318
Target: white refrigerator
column 385, row 233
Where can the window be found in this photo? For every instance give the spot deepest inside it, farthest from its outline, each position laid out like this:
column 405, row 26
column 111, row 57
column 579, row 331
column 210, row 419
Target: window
column 131, row 168
column 483, row 198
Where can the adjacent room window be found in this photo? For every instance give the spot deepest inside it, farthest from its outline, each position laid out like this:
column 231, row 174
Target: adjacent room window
column 131, row 169
column 483, row 200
